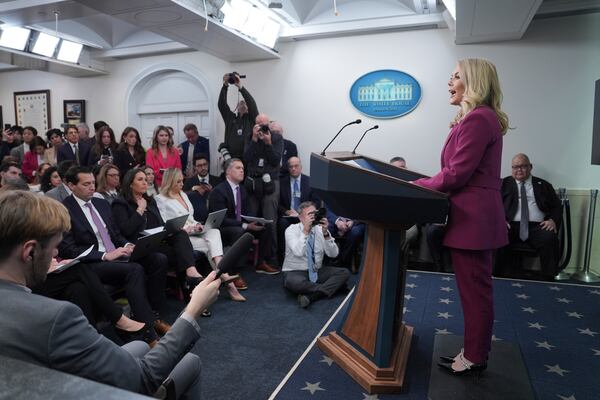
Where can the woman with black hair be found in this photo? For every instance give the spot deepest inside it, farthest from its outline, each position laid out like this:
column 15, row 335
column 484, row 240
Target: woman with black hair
column 130, row 153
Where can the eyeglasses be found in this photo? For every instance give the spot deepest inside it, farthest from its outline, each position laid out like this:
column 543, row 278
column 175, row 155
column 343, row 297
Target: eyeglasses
column 521, row 167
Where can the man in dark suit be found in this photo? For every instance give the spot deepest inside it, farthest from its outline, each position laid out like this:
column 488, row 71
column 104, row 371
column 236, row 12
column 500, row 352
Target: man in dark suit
column 56, row 334
column 533, row 215
column 195, row 144
column 294, row 190
column 199, row 186
column 73, row 149
column 289, row 149
column 230, row 194
column 92, row 225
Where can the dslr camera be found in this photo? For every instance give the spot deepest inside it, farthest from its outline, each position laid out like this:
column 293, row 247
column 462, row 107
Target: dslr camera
column 319, row 215
column 232, row 79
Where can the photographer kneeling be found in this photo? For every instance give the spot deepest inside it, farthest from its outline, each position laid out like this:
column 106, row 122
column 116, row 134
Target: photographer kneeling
column 305, row 244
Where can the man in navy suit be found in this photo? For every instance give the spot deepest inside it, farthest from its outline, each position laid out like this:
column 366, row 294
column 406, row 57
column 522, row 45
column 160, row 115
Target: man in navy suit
column 294, row 190
column 73, row 149
column 92, row 225
column 289, row 149
column 199, row 186
column 194, row 144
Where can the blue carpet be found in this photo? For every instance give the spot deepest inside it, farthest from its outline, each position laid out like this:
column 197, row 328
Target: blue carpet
column 556, row 326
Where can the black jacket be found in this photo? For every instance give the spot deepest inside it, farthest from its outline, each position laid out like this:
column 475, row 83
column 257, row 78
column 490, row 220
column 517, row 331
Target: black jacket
column 545, row 197
column 222, row 197
column 129, row 221
column 285, row 194
column 233, row 141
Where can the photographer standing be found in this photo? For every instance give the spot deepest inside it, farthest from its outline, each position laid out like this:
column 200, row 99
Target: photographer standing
column 262, row 155
column 305, row 244
column 237, row 126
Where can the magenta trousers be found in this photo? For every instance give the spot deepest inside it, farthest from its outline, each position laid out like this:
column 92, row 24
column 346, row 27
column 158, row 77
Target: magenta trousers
column 473, row 271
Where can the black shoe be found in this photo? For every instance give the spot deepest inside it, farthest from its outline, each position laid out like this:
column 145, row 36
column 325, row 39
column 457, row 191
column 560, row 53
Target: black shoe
column 146, row 334
column 447, row 359
column 303, row 300
column 474, row 369
column 206, row 313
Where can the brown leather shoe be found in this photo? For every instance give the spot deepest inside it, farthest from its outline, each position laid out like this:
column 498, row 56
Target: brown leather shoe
column 264, row 268
column 240, row 284
column 161, row 327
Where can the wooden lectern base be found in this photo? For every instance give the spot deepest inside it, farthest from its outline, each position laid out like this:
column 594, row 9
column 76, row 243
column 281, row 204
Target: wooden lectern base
column 365, row 372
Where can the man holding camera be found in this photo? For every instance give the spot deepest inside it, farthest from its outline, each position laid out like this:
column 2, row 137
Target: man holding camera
column 305, row 245
column 262, row 155
column 237, row 126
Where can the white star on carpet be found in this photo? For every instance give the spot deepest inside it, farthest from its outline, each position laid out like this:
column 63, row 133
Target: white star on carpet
column 446, row 289
column 442, row 331
column 444, row 315
column 405, row 310
column 556, row 369
column 327, row 360
column 495, row 338
column 370, row 396
column 446, row 278
column 596, row 352
column 411, row 285
column 519, row 285
column 571, row 397
column 528, row 309
column 596, row 291
column 544, row 345
column 446, row 301
column 563, row 300
column 522, row 296
column 556, row 288
column 574, row 314
column 587, row 331
column 409, row 296
column 536, row 325
column 413, row 275
column 312, row 387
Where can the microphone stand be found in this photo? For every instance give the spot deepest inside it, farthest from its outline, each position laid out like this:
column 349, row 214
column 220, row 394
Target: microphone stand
column 361, row 138
column 358, row 121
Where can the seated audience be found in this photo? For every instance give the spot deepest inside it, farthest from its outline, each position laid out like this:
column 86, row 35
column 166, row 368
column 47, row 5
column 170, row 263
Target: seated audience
column 72, row 149
column 533, row 215
column 199, row 186
column 289, row 148
column 152, row 189
column 108, row 182
column 33, row 158
column 36, row 184
column 92, row 224
column 8, row 142
column 194, row 145
column 103, row 150
column 84, row 133
column 9, row 170
column 29, row 132
column 55, row 140
column 352, row 232
column 50, row 179
column 162, row 155
column 62, row 191
column 294, row 190
column 56, row 334
column 398, row 162
column 305, row 245
column 130, row 154
column 222, row 196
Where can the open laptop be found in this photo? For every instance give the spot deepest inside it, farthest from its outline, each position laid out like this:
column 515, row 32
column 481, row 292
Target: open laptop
column 175, row 224
column 213, row 221
column 144, row 246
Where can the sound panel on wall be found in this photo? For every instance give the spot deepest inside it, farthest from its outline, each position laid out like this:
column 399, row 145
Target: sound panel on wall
column 596, row 127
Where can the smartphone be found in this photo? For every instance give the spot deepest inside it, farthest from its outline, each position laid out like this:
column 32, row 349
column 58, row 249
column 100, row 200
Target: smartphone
column 7, row 126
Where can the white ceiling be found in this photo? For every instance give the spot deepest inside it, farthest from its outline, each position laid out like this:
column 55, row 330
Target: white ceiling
column 116, row 29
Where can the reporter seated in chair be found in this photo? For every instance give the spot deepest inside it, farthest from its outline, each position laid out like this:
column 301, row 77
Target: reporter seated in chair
column 56, row 334
column 533, row 214
column 199, row 186
column 173, row 202
column 305, row 245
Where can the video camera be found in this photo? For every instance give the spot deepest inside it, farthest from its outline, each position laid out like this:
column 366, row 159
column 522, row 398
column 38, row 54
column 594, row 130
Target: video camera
column 232, row 79
column 319, row 215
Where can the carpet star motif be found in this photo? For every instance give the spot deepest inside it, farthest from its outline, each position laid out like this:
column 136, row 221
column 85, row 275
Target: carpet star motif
column 556, row 369
column 563, row 300
column 444, row 315
column 596, row 291
column 596, row 352
column 327, row 360
column 413, row 275
column 411, row 285
column 446, row 278
column 536, row 325
column 556, row 288
column 522, row 296
column 370, row 396
column 587, row 331
column 405, row 310
column 495, row 338
column 571, row 397
column 312, row 387
column 446, row 289
column 442, row 331
column 528, row 309
column 519, row 285
column 409, row 296
column 574, row 314
column 544, row 345
column 446, row 301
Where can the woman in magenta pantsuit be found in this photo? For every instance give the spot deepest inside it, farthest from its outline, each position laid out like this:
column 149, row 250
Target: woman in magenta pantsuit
column 470, row 174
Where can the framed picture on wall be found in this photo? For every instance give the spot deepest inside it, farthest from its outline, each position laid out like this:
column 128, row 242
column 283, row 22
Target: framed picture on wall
column 33, row 109
column 74, row 111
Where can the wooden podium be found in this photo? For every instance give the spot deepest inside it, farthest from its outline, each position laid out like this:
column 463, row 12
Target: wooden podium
column 372, row 343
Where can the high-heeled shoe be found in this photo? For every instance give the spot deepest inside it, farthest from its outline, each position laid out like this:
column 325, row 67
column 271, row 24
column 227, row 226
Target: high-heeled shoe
column 145, row 334
column 474, row 369
column 234, row 294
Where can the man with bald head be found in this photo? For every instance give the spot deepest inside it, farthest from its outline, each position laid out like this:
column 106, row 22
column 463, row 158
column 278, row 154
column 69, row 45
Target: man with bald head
column 533, row 215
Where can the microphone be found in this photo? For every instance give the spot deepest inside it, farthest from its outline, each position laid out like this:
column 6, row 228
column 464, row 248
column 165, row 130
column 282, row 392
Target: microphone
column 358, row 121
column 237, row 252
column 363, row 135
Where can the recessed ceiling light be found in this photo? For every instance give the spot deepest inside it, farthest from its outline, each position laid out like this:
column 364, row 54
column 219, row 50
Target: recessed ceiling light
column 69, row 51
column 45, row 44
column 15, row 37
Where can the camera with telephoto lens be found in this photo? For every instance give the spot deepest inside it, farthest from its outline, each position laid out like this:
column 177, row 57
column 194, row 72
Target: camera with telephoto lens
column 232, row 79
column 319, row 215
column 224, row 152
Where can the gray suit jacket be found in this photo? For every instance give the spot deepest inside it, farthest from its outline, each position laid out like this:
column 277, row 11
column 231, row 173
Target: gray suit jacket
column 59, row 193
column 56, row 334
column 18, row 152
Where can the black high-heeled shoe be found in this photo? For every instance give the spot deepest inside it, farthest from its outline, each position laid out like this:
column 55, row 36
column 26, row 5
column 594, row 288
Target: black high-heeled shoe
column 473, row 369
column 146, row 334
column 447, row 359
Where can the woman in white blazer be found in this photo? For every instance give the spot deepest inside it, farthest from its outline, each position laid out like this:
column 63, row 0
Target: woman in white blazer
column 173, row 202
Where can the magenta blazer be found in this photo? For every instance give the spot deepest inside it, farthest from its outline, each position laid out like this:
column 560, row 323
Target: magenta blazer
column 30, row 165
column 158, row 163
column 471, row 160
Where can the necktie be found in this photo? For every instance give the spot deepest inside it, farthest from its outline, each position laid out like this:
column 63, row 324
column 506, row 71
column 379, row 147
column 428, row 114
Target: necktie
column 524, row 225
column 76, row 151
column 295, row 195
column 104, row 235
column 238, row 204
column 310, row 256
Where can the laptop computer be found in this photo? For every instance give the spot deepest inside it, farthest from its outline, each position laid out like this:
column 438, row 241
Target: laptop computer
column 175, row 224
column 213, row 221
column 144, row 246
